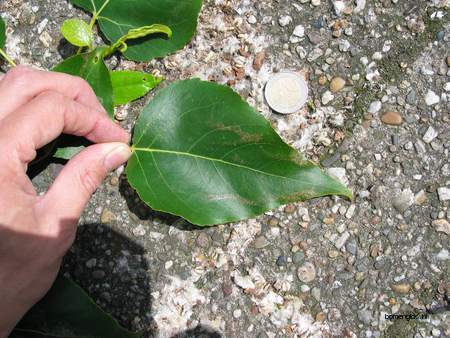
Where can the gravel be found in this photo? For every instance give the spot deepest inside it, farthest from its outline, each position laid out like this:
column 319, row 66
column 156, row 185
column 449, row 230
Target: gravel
column 325, row 267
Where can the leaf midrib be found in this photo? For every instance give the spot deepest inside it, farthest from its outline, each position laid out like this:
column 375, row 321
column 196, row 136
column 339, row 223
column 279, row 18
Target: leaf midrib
column 173, row 152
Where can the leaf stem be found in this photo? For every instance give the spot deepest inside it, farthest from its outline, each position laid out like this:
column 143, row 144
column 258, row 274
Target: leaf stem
column 7, row 58
column 95, row 15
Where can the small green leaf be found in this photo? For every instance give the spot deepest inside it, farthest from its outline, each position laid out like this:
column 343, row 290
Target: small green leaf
column 117, row 17
column 92, row 68
column 77, row 32
column 67, row 311
column 2, row 33
column 131, row 85
column 202, row 153
column 67, row 153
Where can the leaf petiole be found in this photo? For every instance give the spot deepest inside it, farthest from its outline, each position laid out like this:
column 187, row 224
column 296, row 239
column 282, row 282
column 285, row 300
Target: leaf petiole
column 7, row 58
column 94, row 19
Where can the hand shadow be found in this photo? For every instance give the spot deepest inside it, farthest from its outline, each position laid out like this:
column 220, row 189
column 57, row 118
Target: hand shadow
column 113, row 272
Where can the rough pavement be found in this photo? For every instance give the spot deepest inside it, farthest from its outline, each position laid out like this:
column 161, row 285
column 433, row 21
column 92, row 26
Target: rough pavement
column 378, row 118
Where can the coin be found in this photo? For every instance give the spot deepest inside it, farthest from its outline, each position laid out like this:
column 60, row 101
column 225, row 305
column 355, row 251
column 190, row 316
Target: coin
column 286, row 92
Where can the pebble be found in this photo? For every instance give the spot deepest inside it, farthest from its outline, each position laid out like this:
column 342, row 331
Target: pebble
column 139, row 231
column 114, row 181
column 392, row 118
column 327, row 97
column 431, row 98
column 351, row 246
column 299, row 31
column 259, row 60
column 203, row 240
column 304, row 288
column 448, row 61
column 227, row 290
column 340, row 242
column 350, row 211
column 337, row 84
column 315, row 2
column 403, row 200
column 344, row 45
column 315, row 292
column 91, row 263
column 444, row 193
column 107, row 216
column 252, row 19
column 281, row 261
column 420, row 198
column 260, row 242
column 333, row 254
column 284, row 20
column 443, row 255
column 402, row 288
column 430, row 135
column 237, row 313
column 298, row 257
column 365, row 316
column 374, row 107
column 441, row 225
column 306, row 273
column 411, row 97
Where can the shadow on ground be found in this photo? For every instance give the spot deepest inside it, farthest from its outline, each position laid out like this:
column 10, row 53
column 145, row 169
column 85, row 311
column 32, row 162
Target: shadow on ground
column 119, row 282
column 144, row 212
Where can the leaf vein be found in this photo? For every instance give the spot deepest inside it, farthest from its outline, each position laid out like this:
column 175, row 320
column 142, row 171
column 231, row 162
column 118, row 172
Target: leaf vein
column 178, row 153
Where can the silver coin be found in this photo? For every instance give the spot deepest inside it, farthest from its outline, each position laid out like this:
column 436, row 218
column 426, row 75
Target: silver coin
column 286, row 92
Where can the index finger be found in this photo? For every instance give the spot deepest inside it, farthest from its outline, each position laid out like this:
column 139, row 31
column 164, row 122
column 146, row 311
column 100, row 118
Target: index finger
column 21, row 84
column 47, row 116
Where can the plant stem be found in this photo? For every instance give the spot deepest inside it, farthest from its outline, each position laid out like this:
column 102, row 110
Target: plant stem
column 7, row 58
column 94, row 18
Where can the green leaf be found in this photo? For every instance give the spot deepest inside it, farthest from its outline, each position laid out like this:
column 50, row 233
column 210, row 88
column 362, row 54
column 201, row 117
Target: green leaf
column 131, row 85
column 67, row 311
column 77, row 32
column 67, row 153
column 117, row 17
column 3, row 42
column 202, row 153
column 2, row 33
column 92, row 68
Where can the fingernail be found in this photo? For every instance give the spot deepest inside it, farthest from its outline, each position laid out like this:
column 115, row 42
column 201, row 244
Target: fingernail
column 117, row 156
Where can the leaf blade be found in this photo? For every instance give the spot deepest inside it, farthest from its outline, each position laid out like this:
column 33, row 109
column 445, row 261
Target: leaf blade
column 2, row 33
column 213, row 159
column 67, row 311
column 66, row 153
column 131, row 85
column 92, row 68
column 118, row 17
column 77, row 32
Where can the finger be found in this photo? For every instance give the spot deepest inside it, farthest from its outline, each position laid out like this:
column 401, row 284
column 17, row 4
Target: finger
column 21, row 84
column 83, row 174
column 47, row 116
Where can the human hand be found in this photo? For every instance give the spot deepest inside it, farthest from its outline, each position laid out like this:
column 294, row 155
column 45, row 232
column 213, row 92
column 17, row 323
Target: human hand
column 36, row 231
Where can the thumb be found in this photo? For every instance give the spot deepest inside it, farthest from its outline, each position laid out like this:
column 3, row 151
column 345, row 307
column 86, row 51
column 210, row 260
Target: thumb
column 78, row 180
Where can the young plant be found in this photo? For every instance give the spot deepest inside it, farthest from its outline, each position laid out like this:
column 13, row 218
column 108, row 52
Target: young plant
column 199, row 150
